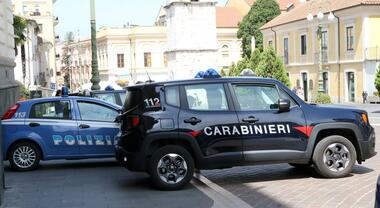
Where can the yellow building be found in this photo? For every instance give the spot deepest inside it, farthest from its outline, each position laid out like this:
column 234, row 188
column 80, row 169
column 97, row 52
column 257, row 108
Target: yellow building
column 350, row 48
column 42, row 12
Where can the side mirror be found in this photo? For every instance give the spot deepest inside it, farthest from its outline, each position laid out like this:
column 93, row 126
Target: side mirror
column 283, row 105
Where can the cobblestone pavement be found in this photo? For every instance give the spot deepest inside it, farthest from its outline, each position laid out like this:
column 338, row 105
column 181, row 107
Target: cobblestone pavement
column 92, row 183
column 284, row 186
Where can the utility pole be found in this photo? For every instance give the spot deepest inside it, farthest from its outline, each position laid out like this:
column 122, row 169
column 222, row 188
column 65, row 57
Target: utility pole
column 94, row 63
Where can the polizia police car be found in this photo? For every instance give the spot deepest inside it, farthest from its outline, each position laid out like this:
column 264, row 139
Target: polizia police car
column 58, row 128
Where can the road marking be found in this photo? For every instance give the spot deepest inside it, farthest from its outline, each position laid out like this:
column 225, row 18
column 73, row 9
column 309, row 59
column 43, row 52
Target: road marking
column 220, row 196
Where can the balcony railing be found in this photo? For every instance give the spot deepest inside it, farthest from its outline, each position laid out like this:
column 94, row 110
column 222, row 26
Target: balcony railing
column 325, row 57
column 373, row 53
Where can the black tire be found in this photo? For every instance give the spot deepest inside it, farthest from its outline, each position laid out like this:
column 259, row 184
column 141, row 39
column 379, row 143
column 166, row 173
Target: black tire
column 161, row 153
column 32, row 149
column 300, row 166
column 324, row 147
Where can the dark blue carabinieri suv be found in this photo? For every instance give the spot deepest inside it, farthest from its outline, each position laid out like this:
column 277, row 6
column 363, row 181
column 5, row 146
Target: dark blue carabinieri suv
column 170, row 128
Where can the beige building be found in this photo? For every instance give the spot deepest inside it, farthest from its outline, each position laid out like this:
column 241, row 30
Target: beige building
column 130, row 53
column 42, row 12
column 350, row 48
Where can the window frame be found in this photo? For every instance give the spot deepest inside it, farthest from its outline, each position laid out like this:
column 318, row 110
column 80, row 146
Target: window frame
column 52, row 118
column 301, row 48
column 96, row 103
column 185, row 105
column 347, row 37
column 120, row 60
column 147, row 64
column 236, row 102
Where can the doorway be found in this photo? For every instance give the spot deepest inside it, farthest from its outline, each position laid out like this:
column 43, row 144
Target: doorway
column 351, row 86
column 304, row 86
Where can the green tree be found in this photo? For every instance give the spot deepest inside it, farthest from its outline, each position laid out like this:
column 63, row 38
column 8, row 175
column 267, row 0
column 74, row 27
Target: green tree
column 261, row 12
column 245, row 63
column 19, row 25
column 377, row 79
column 271, row 66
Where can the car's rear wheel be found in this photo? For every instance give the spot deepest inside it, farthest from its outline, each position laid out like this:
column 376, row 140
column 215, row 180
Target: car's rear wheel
column 24, row 156
column 334, row 157
column 171, row 167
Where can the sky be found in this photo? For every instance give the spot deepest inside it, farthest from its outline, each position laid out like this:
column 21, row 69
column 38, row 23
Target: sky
column 74, row 15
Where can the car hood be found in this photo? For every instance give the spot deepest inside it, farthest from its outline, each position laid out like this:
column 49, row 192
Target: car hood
column 338, row 107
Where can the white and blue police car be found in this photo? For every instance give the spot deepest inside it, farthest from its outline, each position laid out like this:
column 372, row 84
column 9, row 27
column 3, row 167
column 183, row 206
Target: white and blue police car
column 58, row 128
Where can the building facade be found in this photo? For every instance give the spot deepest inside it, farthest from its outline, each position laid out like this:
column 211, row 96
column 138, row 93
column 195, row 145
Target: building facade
column 138, row 53
column 41, row 11
column 9, row 91
column 341, row 59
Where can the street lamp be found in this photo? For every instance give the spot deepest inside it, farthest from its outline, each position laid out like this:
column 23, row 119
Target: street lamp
column 94, row 63
column 320, row 16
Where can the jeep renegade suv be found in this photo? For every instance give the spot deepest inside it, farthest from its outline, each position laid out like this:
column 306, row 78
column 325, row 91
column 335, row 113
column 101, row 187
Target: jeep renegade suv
column 170, row 128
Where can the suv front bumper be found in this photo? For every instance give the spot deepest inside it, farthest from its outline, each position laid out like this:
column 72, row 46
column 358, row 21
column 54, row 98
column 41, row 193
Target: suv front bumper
column 368, row 147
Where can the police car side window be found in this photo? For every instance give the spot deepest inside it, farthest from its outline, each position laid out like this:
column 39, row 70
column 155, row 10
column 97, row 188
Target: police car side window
column 172, row 96
column 51, row 110
column 210, row 97
column 256, row 97
column 95, row 112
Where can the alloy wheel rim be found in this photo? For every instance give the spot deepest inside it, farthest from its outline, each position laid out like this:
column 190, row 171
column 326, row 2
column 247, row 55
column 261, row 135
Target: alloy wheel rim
column 172, row 168
column 24, row 157
column 336, row 157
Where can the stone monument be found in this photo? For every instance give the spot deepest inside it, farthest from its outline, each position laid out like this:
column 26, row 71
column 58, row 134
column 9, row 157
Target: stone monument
column 191, row 35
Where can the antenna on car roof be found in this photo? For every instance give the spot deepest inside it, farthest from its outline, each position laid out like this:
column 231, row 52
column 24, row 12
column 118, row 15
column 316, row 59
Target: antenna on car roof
column 150, row 80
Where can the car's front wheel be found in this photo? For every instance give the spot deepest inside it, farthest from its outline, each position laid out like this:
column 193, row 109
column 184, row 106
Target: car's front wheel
column 171, row 167
column 334, row 157
column 24, row 156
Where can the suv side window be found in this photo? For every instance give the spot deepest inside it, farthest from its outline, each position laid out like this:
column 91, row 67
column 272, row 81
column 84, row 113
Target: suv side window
column 172, row 95
column 51, row 110
column 256, row 97
column 206, row 97
column 95, row 112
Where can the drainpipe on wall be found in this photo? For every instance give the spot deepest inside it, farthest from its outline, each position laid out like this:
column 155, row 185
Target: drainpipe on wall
column 338, row 59
column 275, row 39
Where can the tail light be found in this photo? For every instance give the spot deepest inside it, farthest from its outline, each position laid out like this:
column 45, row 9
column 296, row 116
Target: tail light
column 131, row 122
column 11, row 111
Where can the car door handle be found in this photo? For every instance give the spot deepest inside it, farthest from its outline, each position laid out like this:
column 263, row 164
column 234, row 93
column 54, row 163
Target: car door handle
column 192, row 120
column 84, row 126
column 34, row 124
column 250, row 119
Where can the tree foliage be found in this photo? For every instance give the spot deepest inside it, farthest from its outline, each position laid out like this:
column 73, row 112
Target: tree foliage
column 377, row 79
column 245, row 63
column 261, row 12
column 323, row 98
column 19, row 26
column 66, row 58
column 272, row 66
column 24, row 92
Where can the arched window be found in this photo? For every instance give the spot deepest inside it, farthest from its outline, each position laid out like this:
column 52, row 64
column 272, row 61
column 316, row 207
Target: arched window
column 225, row 51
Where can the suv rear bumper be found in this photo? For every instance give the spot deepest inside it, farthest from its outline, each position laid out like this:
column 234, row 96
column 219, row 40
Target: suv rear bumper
column 130, row 160
column 368, row 147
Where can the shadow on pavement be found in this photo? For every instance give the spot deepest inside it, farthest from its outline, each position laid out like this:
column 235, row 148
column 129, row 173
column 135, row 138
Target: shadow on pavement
column 92, row 183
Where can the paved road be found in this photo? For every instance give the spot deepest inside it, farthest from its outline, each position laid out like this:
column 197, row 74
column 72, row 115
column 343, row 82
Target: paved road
column 92, row 183
column 284, row 186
